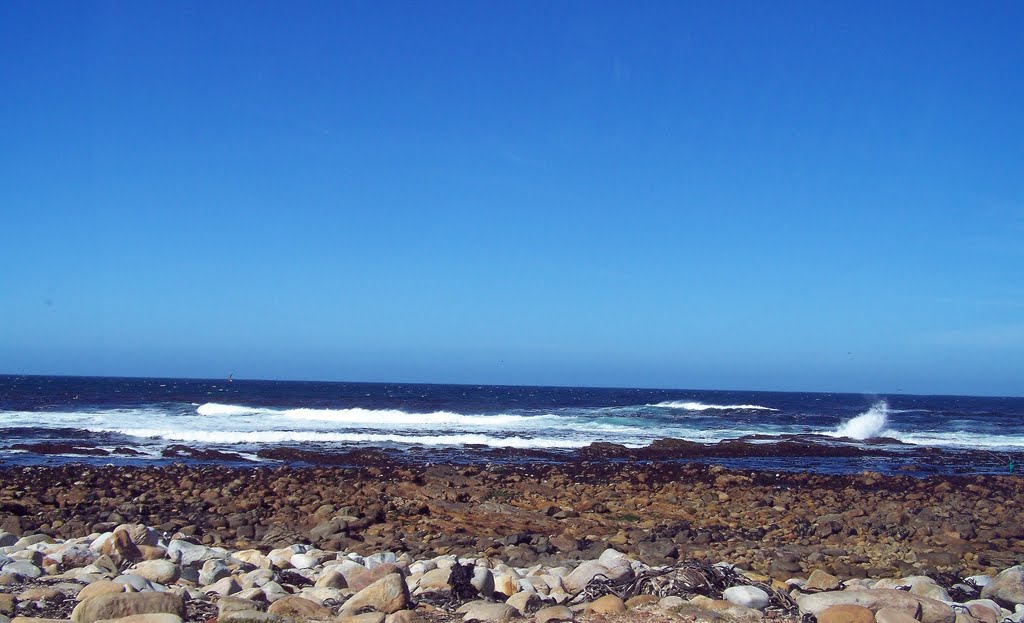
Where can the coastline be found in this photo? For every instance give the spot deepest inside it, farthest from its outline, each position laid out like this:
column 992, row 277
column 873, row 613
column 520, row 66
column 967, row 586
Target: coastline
column 850, row 525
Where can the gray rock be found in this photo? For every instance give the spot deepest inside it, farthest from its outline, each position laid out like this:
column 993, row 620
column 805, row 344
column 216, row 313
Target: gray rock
column 250, row 616
column 25, row 541
column 747, row 596
column 303, row 561
column 366, row 617
column 1007, row 588
column 587, row 571
column 483, row 581
column 877, row 598
column 23, row 569
column 187, row 553
column 383, row 558
column 486, row 612
column 137, row 582
column 213, row 571
column 223, row 587
column 672, row 602
column 524, row 601
column 7, row 539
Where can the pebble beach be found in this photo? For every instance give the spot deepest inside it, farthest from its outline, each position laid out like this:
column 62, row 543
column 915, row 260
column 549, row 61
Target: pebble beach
column 569, row 541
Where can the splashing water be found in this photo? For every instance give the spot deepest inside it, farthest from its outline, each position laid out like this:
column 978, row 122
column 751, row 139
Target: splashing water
column 866, row 425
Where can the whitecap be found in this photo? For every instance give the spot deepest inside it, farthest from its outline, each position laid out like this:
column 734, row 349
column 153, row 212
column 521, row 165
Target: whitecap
column 700, row 406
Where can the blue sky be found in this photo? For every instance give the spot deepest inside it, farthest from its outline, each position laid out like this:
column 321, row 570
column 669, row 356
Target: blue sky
column 711, row 195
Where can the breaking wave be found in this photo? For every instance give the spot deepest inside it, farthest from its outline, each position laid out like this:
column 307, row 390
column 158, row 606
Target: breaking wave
column 213, row 408
column 275, row 437
column 700, row 406
column 394, row 417
column 867, row 425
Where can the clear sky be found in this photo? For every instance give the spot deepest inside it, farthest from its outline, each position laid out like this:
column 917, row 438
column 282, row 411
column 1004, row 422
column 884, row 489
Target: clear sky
column 762, row 195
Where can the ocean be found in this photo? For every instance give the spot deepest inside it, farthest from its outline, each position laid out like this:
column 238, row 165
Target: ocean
column 51, row 420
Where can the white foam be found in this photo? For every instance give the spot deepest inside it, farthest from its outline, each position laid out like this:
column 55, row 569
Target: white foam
column 214, row 408
column 700, row 406
column 273, row 437
column 394, row 417
column 867, row 425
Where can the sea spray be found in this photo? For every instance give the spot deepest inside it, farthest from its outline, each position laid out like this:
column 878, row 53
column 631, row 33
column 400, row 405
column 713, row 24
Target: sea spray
column 867, row 425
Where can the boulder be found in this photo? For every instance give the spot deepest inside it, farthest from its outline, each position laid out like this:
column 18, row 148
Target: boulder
column 100, row 587
column 250, row 616
column 609, row 604
column 553, row 614
column 366, row 617
column 159, row 617
column 159, row 571
column 821, row 581
column 846, row 613
column 487, row 612
column 1006, row 589
column 747, row 597
column 388, row 594
column 892, row 615
column 524, row 601
column 295, row 607
column 119, row 605
column 877, row 598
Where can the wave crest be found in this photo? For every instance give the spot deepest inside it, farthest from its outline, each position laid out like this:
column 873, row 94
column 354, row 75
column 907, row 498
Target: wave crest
column 867, row 425
column 275, row 437
column 215, row 408
column 700, row 406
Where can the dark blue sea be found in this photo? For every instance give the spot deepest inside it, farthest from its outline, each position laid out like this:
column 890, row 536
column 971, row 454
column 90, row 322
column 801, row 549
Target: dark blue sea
column 47, row 420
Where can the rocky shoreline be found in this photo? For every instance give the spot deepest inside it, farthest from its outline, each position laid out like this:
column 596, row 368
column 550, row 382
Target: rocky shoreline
column 777, row 528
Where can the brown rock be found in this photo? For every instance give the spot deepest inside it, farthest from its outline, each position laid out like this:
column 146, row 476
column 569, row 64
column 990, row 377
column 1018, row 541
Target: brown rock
column 932, row 611
column 119, row 605
column 100, row 587
column 821, row 581
column 296, row 607
column 388, row 594
column 609, row 604
column 846, row 614
column 403, row 616
column 367, row 617
column 7, row 603
column 553, row 614
column 41, row 593
column 892, row 615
